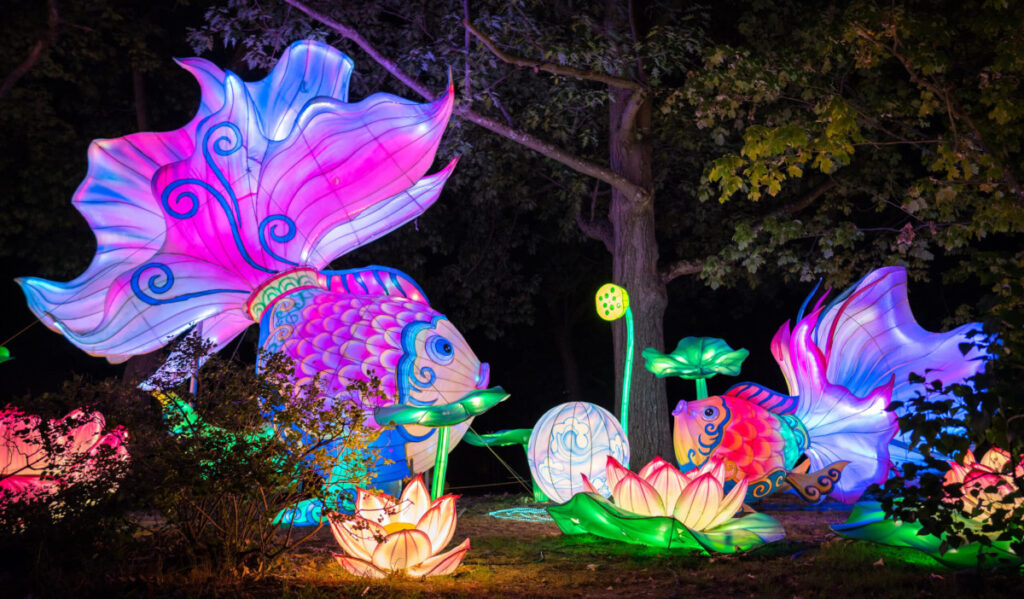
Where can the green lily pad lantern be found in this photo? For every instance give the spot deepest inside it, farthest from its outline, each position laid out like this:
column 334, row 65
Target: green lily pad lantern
column 442, row 417
column 612, row 304
column 696, row 359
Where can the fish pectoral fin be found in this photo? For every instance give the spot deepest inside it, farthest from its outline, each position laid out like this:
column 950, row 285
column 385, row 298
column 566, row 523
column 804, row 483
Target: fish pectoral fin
column 814, row 486
column 800, row 468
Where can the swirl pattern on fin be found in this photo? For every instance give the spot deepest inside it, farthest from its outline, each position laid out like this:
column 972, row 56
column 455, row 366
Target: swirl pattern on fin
column 268, row 176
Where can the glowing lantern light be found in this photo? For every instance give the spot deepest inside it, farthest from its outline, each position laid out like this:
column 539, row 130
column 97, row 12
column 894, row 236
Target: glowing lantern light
column 612, row 304
column 663, row 507
column 31, row 468
column 984, row 487
column 984, row 490
column 570, row 440
column 387, row 535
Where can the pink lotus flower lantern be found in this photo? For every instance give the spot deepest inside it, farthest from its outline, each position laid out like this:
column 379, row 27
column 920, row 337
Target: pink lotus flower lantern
column 984, row 486
column 388, row 535
column 696, row 498
column 34, row 468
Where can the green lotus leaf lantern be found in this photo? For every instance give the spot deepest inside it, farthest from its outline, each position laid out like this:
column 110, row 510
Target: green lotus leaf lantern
column 696, row 359
column 442, row 417
column 5, row 354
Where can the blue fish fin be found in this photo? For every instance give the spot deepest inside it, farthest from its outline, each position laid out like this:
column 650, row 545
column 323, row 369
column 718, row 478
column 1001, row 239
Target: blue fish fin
column 774, row 402
column 375, row 280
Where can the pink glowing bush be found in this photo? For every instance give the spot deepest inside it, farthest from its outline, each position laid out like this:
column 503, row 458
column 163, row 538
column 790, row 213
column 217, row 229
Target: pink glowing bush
column 38, row 459
column 984, row 487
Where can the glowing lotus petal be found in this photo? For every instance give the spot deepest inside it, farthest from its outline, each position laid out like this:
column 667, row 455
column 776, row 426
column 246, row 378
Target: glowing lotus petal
column 615, row 472
column 663, row 507
column 441, row 565
column 414, row 502
column 439, row 522
column 387, row 535
column 29, row 471
column 357, row 537
column 588, row 487
column 699, row 502
column 402, row 549
column 636, row 495
column 358, row 567
column 730, row 505
column 668, row 481
column 375, row 507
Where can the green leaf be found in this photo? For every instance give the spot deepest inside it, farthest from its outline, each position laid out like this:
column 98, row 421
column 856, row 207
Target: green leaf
column 470, row 406
column 696, row 358
column 867, row 522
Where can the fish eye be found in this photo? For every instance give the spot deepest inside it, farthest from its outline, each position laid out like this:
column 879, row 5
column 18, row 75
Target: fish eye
column 440, row 349
column 709, row 413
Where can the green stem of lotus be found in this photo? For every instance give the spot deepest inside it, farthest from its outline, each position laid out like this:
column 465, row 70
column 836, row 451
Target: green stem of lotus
column 440, row 462
column 627, row 374
column 702, row 388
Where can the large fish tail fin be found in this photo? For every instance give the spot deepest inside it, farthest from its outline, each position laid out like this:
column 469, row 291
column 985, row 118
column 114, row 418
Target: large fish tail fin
column 841, row 426
column 869, row 335
column 269, row 176
column 849, row 359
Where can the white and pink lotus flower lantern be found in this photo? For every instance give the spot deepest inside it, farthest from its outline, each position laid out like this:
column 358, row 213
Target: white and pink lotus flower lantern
column 386, row 535
column 984, row 486
column 33, row 468
column 663, row 507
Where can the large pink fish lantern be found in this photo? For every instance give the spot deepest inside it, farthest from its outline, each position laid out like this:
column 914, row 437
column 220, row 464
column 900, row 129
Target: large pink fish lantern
column 230, row 221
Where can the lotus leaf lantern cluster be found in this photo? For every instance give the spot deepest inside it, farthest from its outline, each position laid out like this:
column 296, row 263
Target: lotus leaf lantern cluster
column 386, row 535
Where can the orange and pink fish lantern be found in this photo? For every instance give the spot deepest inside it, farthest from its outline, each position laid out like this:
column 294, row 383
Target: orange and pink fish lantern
column 844, row 363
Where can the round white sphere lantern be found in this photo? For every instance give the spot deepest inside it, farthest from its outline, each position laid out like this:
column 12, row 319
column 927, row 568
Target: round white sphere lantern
column 572, row 439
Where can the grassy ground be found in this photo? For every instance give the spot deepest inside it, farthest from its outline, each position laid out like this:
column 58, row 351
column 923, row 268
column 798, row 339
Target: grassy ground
column 533, row 559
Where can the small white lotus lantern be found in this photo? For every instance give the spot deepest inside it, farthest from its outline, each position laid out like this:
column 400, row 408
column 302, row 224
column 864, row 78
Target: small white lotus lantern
column 573, row 440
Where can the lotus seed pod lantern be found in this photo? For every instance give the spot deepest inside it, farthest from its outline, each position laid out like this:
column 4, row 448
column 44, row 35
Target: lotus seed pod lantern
column 573, row 440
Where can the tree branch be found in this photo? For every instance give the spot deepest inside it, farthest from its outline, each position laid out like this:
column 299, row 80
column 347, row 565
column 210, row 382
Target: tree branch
column 628, row 116
column 693, row 267
column 351, row 34
column 599, row 229
column 680, row 268
column 47, row 38
column 542, row 147
column 807, row 199
column 555, row 69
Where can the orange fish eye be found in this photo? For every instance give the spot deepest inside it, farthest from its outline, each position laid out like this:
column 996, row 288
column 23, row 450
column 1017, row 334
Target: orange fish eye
column 709, row 413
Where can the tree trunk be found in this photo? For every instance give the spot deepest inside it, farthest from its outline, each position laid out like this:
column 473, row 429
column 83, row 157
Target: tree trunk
column 635, row 267
column 562, row 331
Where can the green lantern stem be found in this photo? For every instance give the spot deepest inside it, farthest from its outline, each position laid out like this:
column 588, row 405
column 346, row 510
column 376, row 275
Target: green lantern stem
column 440, row 462
column 627, row 374
column 702, row 388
